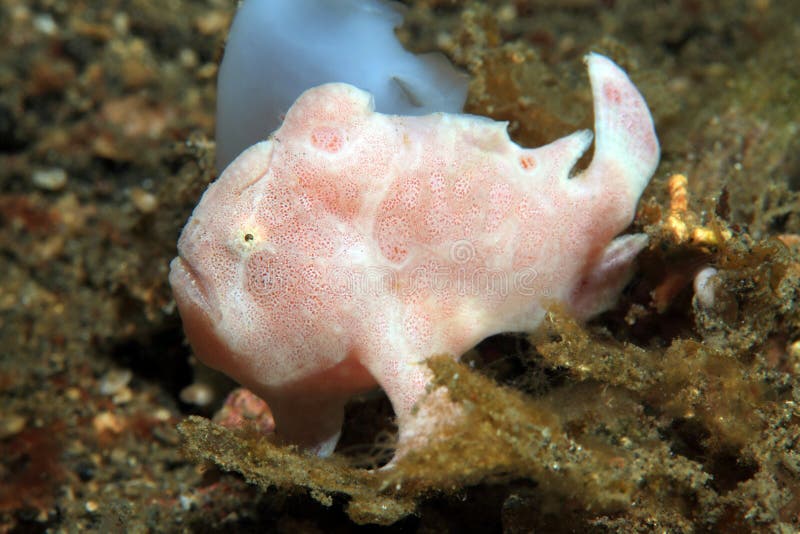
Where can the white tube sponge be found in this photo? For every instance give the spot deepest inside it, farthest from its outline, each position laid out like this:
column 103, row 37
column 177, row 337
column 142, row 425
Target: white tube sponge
column 279, row 48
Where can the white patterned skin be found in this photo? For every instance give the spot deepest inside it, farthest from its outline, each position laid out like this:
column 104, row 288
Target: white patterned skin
column 348, row 247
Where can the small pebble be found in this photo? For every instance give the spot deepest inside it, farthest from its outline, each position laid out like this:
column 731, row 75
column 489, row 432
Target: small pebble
column 144, row 201
column 50, row 179
column 92, row 506
column 198, row 394
column 162, row 414
column 11, row 425
column 212, row 22
column 108, row 422
column 114, row 380
column 45, row 24
column 188, row 58
column 794, row 357
column 86, row 470
column 123, row 396
column 121, row 23
column 704, row 287
column 187, row 502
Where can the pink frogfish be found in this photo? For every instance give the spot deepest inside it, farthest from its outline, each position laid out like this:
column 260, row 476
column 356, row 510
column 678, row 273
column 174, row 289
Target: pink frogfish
column 348, row 247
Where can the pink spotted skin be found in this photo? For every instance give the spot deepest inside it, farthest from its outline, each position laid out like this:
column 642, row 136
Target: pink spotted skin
column 340, row 253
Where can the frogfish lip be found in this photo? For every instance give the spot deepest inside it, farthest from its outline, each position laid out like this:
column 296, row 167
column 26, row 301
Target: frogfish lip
column 190, row 288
